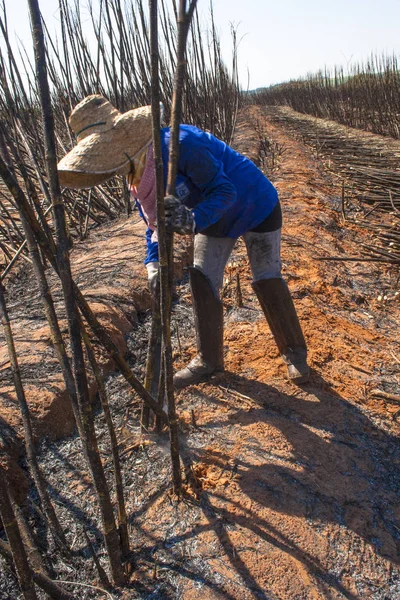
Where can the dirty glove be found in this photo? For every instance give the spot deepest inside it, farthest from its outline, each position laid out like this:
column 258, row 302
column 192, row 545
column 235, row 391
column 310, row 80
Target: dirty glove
column 178, row 218
column 152, row 277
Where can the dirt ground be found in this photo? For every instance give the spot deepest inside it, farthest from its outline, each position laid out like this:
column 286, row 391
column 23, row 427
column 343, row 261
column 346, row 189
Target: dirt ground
column 297, row 493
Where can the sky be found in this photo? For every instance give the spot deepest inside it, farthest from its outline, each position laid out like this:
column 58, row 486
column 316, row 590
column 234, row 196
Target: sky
column 280, row 39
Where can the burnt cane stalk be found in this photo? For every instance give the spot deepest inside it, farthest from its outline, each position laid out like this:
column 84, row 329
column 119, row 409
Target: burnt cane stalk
column 58, row 342
column 184, row 19
column 119, row 486
column 47, row 300
column 162, row 246
column 37, row 475
column 153, row 361
column 48, row 247
column 105, row 340
column 27, row 535
column 62, row 258
column 52, row 589
column 17, row 547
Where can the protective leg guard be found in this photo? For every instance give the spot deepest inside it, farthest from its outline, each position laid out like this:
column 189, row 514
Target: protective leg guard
column 280, row 312
column 209, row 319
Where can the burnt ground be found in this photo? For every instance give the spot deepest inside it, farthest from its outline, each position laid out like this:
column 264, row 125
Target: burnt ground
column 297, row 489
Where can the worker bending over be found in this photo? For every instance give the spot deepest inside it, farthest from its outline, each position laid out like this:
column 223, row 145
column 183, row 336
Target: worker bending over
column 220, row 196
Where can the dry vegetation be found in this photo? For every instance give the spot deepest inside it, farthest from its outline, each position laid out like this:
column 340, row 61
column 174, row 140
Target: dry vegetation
column 117, row 65
column 367, row 97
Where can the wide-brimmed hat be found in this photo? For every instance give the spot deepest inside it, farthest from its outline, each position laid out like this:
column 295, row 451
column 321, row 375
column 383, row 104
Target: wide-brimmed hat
column 107, row 141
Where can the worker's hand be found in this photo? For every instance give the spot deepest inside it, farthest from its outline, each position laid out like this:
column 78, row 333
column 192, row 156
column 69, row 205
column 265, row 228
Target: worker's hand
column 178, row 218
column 153, row 277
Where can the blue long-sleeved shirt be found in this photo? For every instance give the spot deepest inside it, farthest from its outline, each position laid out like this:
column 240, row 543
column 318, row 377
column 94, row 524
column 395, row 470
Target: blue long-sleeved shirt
column 227, row 193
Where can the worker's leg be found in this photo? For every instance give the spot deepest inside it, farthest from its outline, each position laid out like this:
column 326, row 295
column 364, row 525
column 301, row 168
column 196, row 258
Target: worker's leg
column 210, row 257
column 263, row 249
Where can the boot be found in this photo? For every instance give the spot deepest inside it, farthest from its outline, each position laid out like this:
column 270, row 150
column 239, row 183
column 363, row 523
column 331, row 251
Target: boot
column 208, row 314
column 280, row 312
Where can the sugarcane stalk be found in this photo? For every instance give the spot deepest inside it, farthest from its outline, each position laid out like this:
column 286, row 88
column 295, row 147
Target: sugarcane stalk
column 32, row 551
column 160, row 398
column 104, row 338
column 81, row 409
column 184, row 20
column 52, row 589
column 239, row 297
column 163, row 252
column 153, row 360
column 20, row 249
column 37, row 475
column 48, row 247
column 75, row 69
column 62, row 258
column 119, row 486
column 13, row 260
column 17, row 547
column 102, row 574
column 358, row 259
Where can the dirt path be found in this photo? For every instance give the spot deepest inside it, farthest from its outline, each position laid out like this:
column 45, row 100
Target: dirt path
column 298, row 488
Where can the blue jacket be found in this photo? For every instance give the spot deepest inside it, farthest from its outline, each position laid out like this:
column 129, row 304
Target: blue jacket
column 227, row 193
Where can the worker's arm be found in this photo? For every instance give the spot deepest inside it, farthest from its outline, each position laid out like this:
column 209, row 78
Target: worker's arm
column 151, row 261
column 206, row 172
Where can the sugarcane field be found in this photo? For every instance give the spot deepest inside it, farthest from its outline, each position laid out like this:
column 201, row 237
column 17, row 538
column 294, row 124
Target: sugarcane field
column 200, row 308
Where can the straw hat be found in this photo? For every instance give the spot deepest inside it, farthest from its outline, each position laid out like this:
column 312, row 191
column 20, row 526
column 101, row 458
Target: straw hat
column 107, row 141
